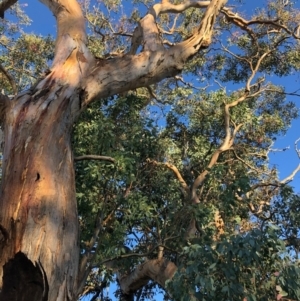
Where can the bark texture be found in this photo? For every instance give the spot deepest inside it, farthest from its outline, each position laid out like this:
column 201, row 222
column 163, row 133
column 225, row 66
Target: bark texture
column 38, row 217
column 38, row 208
column 39, row 251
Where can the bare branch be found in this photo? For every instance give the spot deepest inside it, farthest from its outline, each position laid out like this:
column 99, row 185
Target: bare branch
column 291, row 176
column 244, row 24
column 296, row 147
column 95, row 157
column 148, row 27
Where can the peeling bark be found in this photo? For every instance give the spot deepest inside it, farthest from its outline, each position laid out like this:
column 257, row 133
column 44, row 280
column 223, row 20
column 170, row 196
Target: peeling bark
column 38, row 216
column 38, row 205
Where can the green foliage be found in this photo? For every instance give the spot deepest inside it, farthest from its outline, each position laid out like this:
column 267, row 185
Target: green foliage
column 134, row 202
column 240, row 266
column 141, row 202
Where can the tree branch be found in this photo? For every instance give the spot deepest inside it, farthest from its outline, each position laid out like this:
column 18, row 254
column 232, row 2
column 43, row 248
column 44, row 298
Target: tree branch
column 296, row 148
column 111, row 261
column 153, row 64
column 94, row 157
column 5, row 5
column 243, row 24
column 84, row 269
column 158, row 270
column 291, row 176
column 72, row 58
column 168, row 7
column 285, row 93
column 226, row 145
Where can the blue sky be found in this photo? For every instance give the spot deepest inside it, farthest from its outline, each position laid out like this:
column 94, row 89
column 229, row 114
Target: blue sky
column 286, row 161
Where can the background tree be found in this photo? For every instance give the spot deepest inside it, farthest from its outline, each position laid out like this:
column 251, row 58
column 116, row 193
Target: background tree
column 172, row 181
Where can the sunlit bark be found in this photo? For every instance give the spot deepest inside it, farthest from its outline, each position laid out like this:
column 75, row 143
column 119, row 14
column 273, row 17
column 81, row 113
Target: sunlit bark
column 38, row 216
column 38, row 206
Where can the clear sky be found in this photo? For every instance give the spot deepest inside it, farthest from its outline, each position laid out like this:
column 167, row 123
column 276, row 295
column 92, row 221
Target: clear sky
column 286, row 161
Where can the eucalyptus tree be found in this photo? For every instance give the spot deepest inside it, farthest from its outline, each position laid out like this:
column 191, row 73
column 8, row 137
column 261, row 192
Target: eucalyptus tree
column 179, row 192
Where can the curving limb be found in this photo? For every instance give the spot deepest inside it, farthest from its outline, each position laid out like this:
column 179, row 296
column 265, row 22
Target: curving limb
column 154, row 62
column 245, row 24
column 5, row 5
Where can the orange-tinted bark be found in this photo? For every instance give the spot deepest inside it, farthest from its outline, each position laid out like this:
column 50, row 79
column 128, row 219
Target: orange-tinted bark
column 38, row 208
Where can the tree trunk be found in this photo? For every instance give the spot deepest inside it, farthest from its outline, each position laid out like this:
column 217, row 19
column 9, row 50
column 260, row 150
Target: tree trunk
column 38, row 220
column 39, row 248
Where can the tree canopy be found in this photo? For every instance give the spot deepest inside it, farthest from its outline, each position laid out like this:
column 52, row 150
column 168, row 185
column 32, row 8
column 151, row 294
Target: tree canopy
column 174, row 186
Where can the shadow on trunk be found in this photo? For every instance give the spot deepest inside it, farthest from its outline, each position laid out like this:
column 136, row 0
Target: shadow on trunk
column 23, row 280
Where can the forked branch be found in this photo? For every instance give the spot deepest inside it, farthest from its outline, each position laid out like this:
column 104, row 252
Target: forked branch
column 153, row 63
column 245, row 24
column 226, row 145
